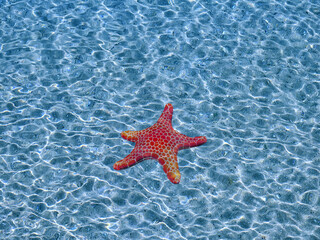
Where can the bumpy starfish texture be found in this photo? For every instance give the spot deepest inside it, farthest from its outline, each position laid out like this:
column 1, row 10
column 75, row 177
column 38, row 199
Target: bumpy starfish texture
column 161, row 142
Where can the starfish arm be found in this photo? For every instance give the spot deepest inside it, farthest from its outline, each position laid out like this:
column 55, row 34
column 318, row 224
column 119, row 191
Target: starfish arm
column 189, row 142
column 130, row 160
column 131, row 136
column 166, row 116
column 171, row 168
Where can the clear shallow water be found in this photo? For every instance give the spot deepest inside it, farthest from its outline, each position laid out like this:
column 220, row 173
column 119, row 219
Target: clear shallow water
column 73, row 75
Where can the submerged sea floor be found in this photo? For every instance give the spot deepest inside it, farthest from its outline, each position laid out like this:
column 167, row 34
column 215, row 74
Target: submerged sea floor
column 75, row 74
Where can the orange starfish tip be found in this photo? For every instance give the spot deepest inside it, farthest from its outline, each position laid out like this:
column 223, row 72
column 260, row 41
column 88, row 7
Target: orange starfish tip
column 130, row 135
column 174, row 177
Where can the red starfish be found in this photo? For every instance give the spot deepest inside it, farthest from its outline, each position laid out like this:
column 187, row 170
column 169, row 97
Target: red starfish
column 161, row 142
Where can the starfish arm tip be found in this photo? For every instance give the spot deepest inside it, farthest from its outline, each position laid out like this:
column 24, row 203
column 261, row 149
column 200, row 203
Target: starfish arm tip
column 197, row 141
column 166, row 116
column 202, row 139
column 127, row 162
column 120, row 165
column 131, row 136
column 169, row 107
column 171, row 168
column 192, row 142
column 174, row 177
column 116, row 166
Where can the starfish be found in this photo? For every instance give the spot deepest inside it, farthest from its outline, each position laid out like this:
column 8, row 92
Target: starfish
column 160, row 142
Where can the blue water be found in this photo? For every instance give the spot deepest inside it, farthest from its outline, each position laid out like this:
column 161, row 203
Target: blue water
column 245, row 74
